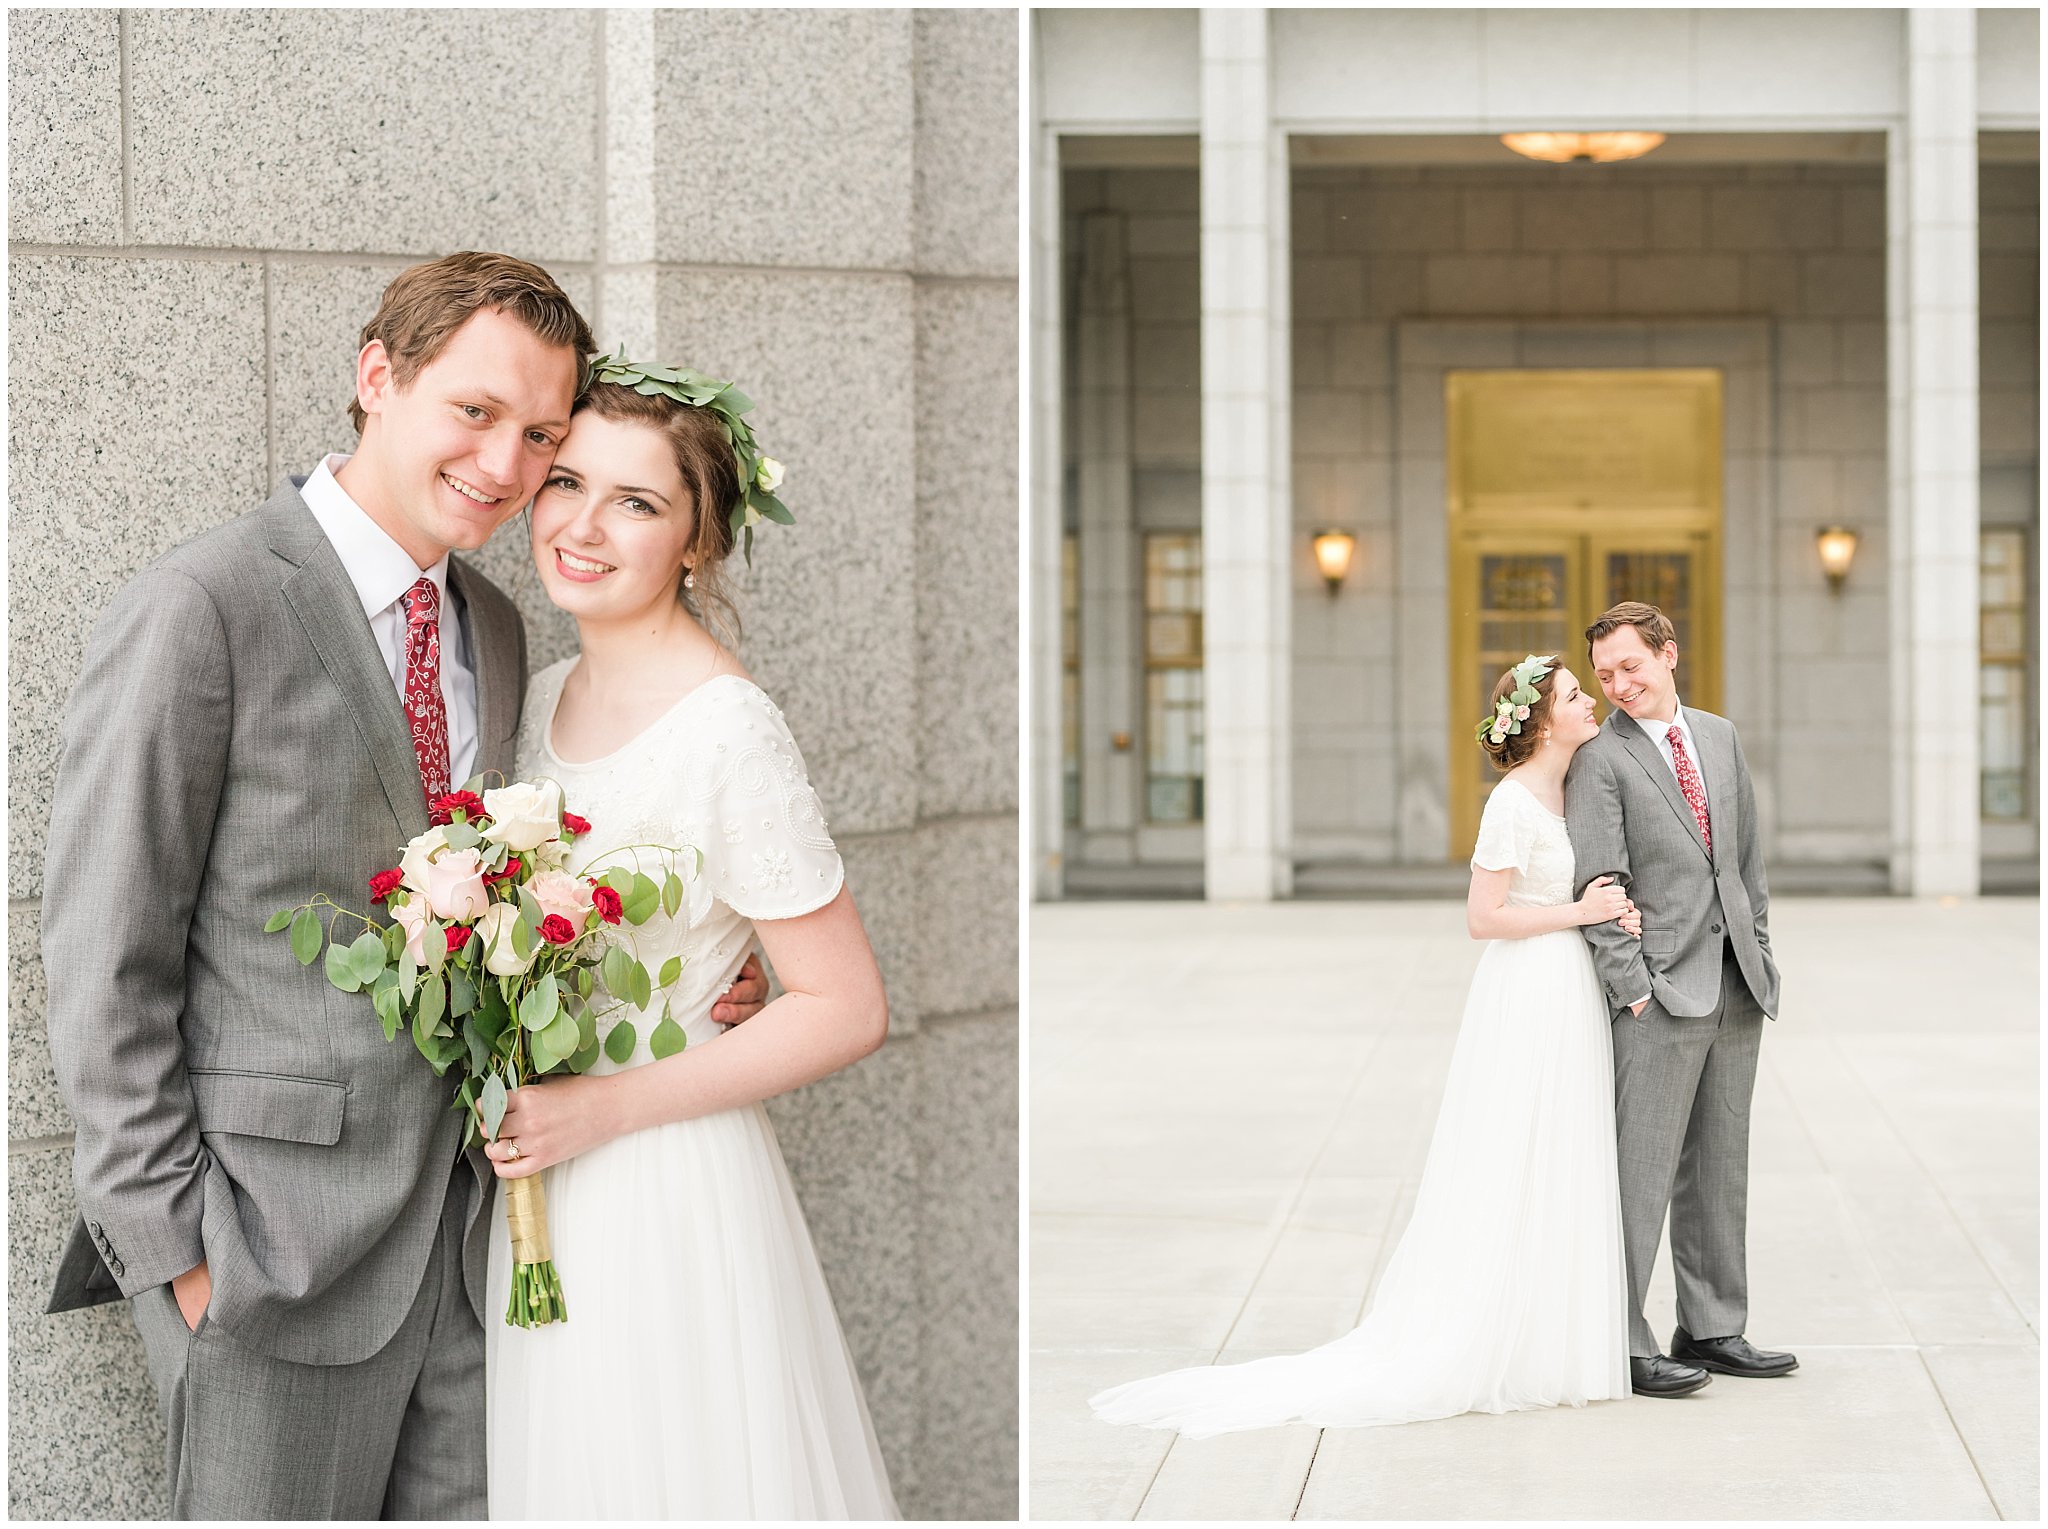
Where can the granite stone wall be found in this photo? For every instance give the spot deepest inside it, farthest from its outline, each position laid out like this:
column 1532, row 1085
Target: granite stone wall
column 204, row 208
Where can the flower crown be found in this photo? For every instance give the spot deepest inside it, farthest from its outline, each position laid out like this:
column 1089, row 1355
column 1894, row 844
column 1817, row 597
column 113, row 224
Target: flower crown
column 1512, row 709
column 760, row 476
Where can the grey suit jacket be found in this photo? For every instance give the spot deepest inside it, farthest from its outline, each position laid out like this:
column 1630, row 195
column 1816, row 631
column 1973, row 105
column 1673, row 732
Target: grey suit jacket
column 234, row 746
column 1629, row 820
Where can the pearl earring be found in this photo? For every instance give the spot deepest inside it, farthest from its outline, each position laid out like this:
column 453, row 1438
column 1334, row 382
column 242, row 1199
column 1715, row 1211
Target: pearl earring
column 690, row 579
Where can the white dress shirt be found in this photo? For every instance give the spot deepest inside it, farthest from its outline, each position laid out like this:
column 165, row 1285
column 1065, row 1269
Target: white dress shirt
column 1660, row 734
column 382, row 571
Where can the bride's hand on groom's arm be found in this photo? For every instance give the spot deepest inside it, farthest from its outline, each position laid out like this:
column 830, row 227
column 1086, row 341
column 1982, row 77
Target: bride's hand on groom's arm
column 747, row 995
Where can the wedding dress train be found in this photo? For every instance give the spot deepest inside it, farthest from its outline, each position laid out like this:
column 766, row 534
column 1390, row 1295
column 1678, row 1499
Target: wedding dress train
column 1507, row 1290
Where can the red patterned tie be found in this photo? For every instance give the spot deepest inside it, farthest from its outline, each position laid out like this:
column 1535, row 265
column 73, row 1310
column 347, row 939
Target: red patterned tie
column 1689, row 783
column 424, row 709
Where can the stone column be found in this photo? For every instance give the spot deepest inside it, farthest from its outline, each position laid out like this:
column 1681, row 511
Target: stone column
column 628, row 279
column 1931, row 309
column 1047, row 478
column 1244, row 477
column 1111, row 579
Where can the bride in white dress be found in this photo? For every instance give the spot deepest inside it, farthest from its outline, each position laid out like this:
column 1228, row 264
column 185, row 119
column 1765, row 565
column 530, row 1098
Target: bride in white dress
column 1507, row 1290
column 701, row 1373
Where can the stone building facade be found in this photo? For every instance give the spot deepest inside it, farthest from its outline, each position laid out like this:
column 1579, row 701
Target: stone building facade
column 205, row 205
column 1276, row 254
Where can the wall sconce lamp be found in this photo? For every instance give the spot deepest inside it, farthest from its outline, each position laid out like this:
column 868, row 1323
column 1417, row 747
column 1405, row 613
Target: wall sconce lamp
column 1837, row 551
column 1333, row 557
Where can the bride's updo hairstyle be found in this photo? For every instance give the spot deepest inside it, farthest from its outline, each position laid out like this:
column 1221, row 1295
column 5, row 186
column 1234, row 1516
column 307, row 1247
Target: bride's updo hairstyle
column 711, row 476
column 1514, row 748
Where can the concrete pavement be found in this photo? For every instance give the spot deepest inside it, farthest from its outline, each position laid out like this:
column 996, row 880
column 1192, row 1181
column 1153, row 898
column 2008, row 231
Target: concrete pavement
column 1229, row 1110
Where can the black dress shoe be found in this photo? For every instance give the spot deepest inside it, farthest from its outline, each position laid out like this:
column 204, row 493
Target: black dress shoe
column 1731, row 1356
column 1658, row 1376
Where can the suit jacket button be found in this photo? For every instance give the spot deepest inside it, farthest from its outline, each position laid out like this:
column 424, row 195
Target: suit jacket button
column 115, row 1266
column 1717, row 929
column 93, row 1227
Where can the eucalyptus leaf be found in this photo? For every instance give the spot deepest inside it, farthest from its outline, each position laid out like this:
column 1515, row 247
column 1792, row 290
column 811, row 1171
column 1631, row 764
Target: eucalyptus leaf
column 478, row 1046
column 306, row 932
column 433, row 1001
column 341, row 971
column 389, row 1010
column 671, row 969
column 408, row 977
column 461, row 836
column 529, row 909
column 561, row 1038
column 461, row 992
column 618, row 972
column 522, row 939
column 278, row 920
column 643, row 989
column 668, row 1039
column 366, row 956
column 671, row 894
column 620, row 1043
column 537, row 1010
column 641, row 902
column 492, row 1103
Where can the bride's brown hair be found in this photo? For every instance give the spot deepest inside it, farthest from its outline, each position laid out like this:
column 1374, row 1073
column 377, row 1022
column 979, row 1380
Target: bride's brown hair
column 711, row 475
column 1516, row 747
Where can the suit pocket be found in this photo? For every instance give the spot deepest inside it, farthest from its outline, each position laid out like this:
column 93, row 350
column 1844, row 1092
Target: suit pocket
column 269, row 1104
column 1659, row 942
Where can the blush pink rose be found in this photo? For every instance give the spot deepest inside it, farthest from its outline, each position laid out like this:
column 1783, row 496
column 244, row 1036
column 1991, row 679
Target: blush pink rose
column 416, row 921
column 561, row 896
column 455, row 885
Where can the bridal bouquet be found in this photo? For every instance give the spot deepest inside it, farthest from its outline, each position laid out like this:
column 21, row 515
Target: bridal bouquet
column 492, row 957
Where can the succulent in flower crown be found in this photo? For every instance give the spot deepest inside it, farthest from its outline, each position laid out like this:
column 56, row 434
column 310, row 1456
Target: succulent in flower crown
column 1512, row 709
column 760, row 476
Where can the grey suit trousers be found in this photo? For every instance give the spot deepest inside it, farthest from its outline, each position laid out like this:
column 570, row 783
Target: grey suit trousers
column 395, row 1436
column 1682, row 1090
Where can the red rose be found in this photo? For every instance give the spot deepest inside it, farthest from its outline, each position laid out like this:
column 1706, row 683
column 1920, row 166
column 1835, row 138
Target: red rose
column 557, row 930
column 574, row 824
column 511, row 869
column 384, row 883
column 458, row 936
column 607, row 903
column 445, row 807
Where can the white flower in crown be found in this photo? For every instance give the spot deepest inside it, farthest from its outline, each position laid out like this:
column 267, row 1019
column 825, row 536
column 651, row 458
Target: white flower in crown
column 768, row 474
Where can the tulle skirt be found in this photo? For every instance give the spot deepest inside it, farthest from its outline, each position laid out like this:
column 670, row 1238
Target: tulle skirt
column 1507, row 1290
column 701, row 1373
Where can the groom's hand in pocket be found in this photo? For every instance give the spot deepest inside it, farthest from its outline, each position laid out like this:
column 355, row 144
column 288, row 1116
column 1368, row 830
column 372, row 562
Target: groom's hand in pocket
column 192, row 1290
column 747, row 995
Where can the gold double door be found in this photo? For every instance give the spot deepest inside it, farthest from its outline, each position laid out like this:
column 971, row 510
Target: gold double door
column 1551, row 523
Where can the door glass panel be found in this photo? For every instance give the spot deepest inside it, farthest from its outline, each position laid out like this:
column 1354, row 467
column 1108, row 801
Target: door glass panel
column 1070, row 678
column 1524, row 607
column 1662, row 579
column 1173, row 678
column 2003, row 721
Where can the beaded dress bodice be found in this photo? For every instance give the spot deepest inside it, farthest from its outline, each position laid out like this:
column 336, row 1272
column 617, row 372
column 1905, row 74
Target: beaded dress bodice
column 1517, row 833
column 718, row 774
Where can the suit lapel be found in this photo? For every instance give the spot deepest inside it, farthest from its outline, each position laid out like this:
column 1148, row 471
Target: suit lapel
column 1651, row 760
column 324, row 599
column 1717, row 769
column 494, row 647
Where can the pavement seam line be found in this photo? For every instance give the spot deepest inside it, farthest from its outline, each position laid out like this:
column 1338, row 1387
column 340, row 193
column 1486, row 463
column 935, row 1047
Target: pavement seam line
column 1962, row 1439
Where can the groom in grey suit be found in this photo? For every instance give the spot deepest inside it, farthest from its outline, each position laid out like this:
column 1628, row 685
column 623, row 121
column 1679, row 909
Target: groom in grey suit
column 265, row 715
column 1661, row 801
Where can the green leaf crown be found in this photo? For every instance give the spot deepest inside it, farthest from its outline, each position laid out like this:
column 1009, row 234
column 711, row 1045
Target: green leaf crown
column 760, row 475
column 1508, row 712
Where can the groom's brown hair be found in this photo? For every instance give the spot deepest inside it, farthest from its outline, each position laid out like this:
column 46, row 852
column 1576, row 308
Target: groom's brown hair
column 426, row 304
column 1651, row 624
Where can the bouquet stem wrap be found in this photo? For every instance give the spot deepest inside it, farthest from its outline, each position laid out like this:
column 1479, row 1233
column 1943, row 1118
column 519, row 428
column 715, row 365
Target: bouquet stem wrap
column 536, row 1288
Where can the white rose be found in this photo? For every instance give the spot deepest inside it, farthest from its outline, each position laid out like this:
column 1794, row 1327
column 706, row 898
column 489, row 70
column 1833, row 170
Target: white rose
column 769, row 474
column 420, row 854
column 495, row 928
column 524, row 815
column 413, row 919
column 553, row 853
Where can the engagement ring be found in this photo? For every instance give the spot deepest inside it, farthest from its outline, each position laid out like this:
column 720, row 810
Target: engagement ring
column 511, row 1151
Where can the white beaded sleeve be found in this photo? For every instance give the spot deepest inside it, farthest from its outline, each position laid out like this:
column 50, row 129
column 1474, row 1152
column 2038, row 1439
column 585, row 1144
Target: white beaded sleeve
column 1505, row 840
column 767, row 854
